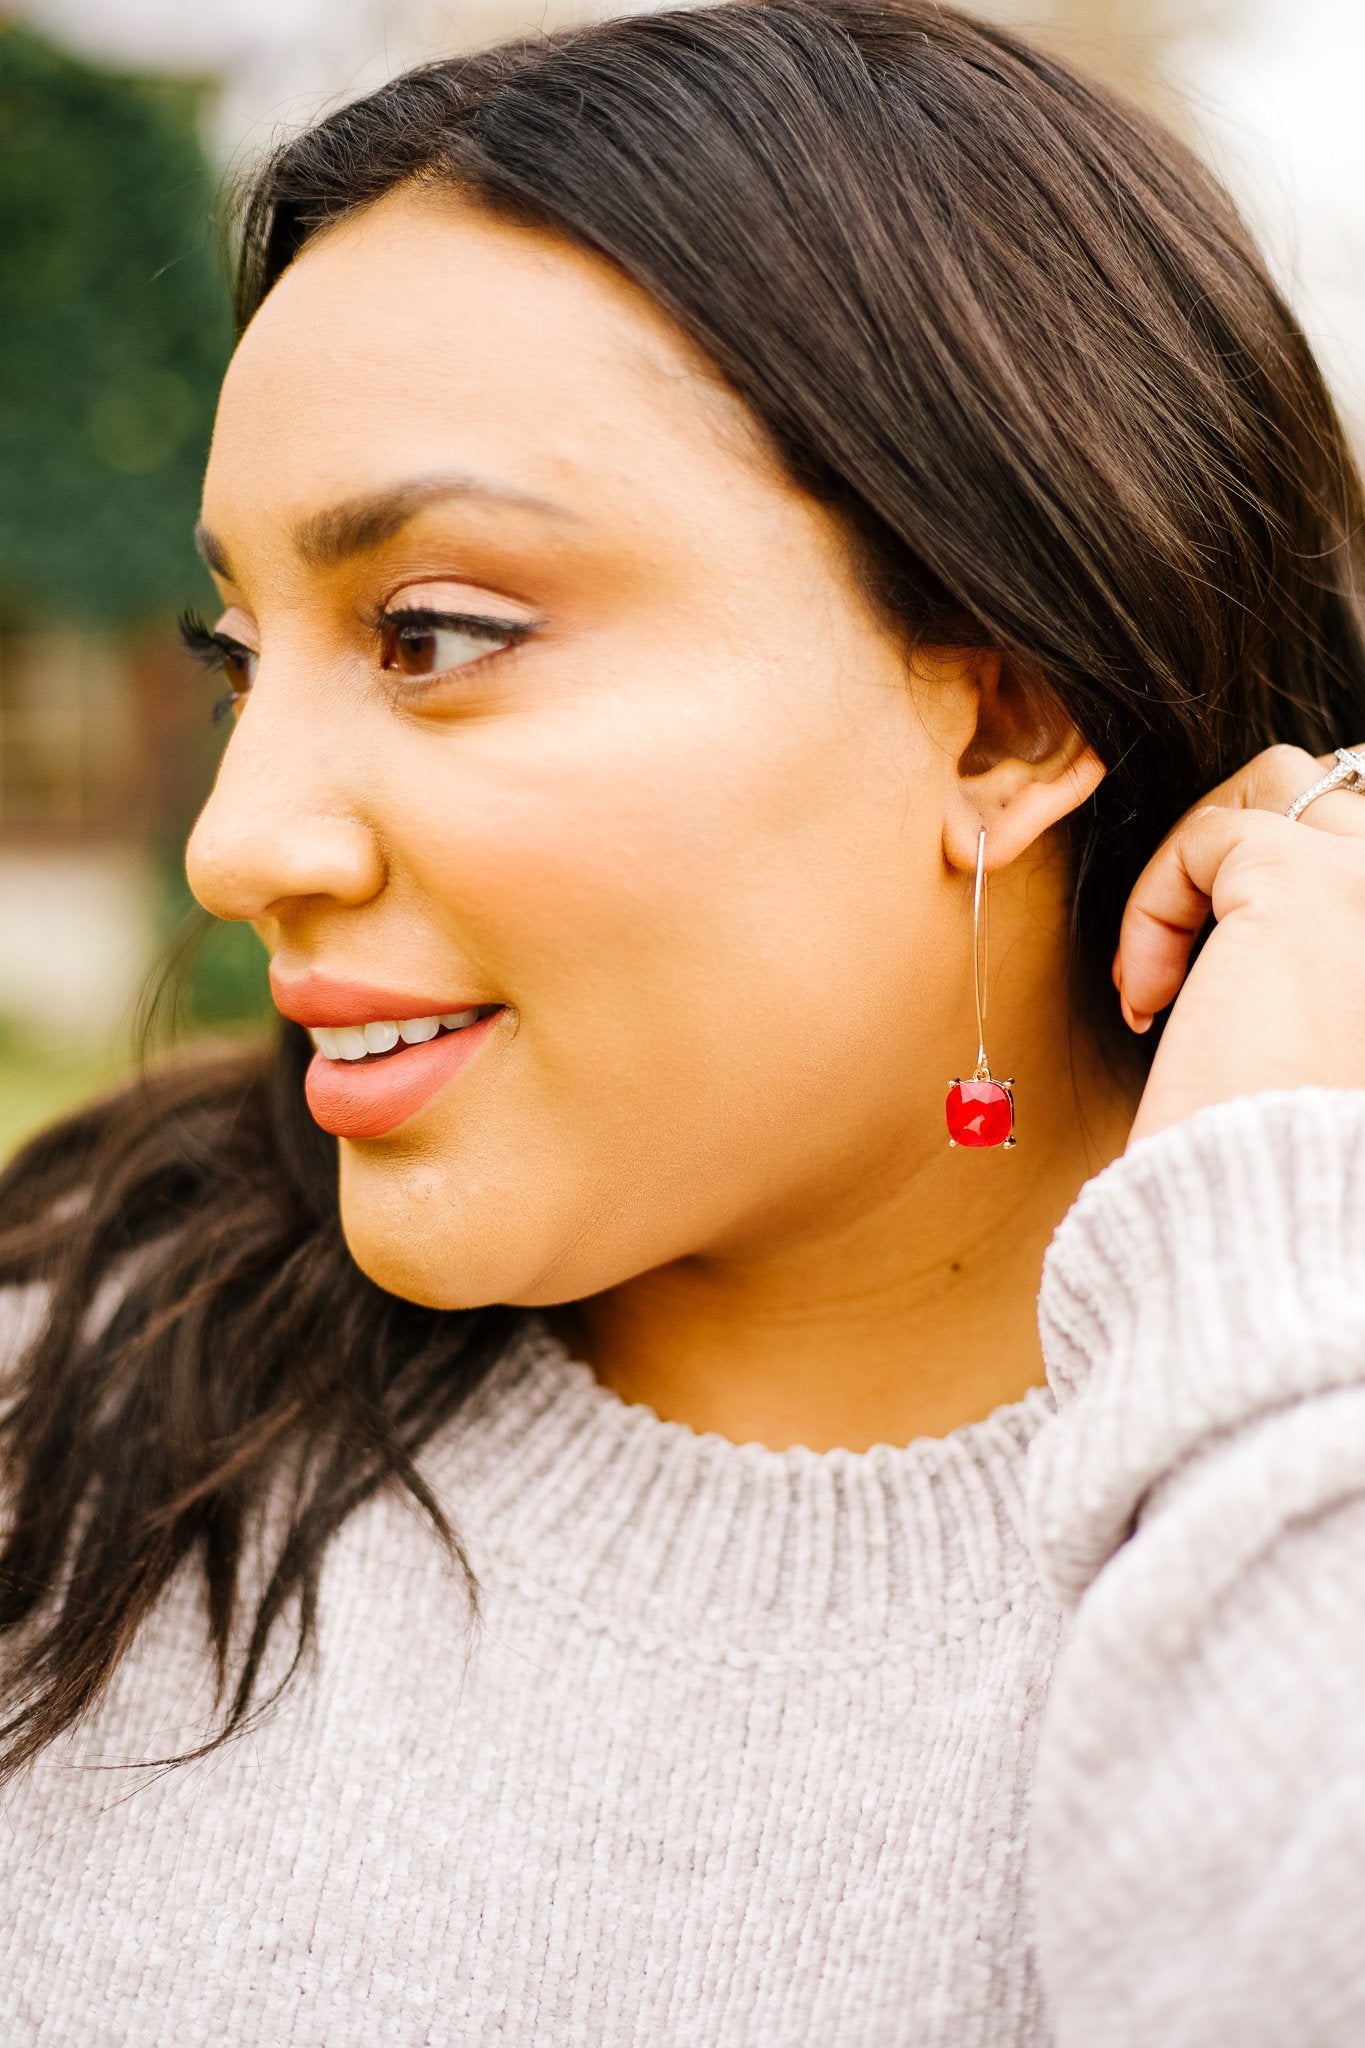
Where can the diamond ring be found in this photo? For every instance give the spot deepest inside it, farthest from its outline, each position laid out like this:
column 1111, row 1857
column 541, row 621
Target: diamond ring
column 1349, row 773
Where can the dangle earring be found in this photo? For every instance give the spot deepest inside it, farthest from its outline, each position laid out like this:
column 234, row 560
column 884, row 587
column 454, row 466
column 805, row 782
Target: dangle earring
column 980, row 1111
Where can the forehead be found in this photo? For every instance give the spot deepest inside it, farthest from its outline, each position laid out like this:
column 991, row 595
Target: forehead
column 423, row 333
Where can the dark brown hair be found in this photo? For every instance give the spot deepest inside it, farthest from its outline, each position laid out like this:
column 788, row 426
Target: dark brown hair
column 1017, row 336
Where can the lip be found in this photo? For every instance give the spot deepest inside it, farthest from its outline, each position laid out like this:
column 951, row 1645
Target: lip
column 318, row 999
column 368, row 1098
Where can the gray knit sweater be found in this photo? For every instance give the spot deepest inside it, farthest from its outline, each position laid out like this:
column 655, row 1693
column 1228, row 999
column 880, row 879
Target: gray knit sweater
column 1051, row 1731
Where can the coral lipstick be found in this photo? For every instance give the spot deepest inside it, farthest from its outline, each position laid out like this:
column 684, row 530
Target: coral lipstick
column 367, row 1098
column 370, row 1096
column 325, row 999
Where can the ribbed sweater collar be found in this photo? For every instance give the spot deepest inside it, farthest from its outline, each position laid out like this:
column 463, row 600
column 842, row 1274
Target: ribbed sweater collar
column 599, row 1502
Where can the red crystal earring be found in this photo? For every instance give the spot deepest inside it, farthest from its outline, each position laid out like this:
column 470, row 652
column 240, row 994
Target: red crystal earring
column 980, row 1111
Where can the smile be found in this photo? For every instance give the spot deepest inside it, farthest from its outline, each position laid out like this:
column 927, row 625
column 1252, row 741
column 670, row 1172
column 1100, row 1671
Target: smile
column 374, row 1041
column 365, row 1080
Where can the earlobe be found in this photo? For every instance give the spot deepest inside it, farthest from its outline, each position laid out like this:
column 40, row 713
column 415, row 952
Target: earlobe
column 1019, row 764
column 1018, row 800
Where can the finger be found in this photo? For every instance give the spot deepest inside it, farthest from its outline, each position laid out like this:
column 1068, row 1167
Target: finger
column 1191, row 875
column 1270, row 782
column 1339, row 810
column 1155, row 942
column 1272, row 779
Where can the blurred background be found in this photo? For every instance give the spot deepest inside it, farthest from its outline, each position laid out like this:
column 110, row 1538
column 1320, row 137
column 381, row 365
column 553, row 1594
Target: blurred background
column 120, row 122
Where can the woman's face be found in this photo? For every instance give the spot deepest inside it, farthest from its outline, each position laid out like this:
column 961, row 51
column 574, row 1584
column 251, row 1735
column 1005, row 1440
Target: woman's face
column 642, row 769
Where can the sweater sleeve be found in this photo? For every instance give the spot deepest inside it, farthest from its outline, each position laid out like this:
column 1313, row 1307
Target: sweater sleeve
column 1198, row 1500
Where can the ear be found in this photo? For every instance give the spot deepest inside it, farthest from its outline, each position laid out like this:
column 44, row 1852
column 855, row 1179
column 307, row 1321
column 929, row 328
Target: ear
column 1023, row 767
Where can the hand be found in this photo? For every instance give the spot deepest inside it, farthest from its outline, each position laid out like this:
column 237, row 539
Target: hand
column 1276, row 998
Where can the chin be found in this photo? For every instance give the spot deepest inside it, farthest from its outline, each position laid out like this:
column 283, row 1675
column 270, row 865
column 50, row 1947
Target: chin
column 445, row 1256
column 434, row 1270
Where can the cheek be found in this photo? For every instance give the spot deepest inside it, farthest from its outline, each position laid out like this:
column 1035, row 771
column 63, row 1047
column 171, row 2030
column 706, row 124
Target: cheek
column 717, row 916
column 710, row 834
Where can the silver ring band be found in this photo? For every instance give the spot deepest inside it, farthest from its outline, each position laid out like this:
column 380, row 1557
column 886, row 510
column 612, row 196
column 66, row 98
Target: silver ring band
column 1349, row 773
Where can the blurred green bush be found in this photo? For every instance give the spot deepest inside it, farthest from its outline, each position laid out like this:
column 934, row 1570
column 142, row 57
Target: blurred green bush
column 114, row 333
column 115, row 329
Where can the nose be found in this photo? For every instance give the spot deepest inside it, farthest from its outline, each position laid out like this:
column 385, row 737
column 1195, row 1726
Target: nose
column 279, row 825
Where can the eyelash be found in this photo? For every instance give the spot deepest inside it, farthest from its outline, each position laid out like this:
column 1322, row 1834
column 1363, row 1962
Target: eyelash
column 388, row 626
column 213, row 650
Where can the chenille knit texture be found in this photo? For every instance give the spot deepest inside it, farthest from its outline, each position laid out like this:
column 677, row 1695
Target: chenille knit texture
column 1046, row 1734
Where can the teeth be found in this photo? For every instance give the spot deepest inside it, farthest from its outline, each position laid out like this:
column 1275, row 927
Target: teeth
column 357, row 1041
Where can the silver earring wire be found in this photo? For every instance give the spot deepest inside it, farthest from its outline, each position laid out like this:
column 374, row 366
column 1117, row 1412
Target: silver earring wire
column 981, row 943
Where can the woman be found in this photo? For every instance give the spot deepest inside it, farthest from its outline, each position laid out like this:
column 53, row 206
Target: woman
column 754, row 548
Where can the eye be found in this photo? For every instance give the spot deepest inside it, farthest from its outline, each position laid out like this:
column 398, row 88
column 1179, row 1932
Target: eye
column 223, row 655
column 416, row 642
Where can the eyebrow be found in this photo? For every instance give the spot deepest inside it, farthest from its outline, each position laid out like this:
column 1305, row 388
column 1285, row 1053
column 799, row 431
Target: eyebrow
column 210, row 552
column 324, row 539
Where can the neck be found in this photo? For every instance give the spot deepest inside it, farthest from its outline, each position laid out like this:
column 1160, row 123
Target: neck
column 907, row 1316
